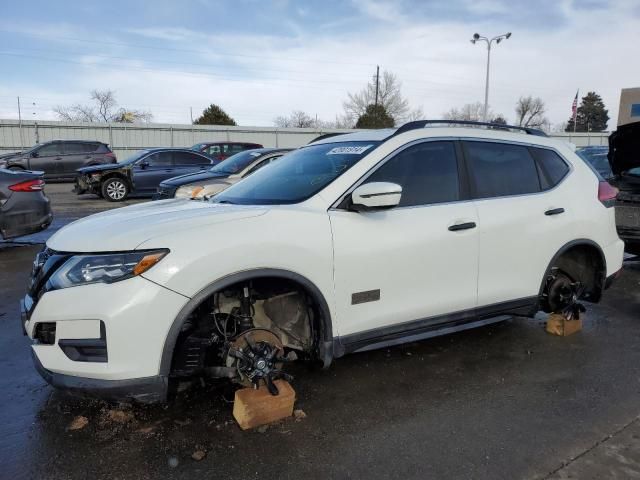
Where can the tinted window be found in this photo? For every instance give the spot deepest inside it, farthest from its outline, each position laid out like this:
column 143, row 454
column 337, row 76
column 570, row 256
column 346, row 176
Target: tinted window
column 297, row 175
column 50, row 150
column 427, row 172
column 71, row 148
column 551, row 167
column 186, row 158
column 499, row 169
column 159, row 159
column 236, row 163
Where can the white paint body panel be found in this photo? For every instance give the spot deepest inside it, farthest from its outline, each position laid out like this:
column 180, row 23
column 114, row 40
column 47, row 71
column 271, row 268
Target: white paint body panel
column 420, row 267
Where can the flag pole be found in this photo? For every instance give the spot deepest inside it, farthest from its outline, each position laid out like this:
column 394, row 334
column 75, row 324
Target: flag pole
column 575, row 115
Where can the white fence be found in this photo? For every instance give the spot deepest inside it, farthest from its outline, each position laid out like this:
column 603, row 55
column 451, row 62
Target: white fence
column 126, row 138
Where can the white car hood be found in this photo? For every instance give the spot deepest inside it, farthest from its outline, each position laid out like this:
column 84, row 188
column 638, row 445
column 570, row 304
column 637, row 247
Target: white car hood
column 126, row 228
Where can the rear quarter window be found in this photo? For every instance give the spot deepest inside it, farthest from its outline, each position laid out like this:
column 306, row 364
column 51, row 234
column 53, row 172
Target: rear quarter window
column 551, row 167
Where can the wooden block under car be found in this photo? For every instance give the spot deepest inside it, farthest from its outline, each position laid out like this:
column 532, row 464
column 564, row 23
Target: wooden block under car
column 558, row 325
column 253, row 408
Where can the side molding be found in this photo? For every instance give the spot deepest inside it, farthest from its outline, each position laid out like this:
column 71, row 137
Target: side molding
column 325, row 340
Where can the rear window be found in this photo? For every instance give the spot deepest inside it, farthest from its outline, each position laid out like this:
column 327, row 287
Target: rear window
column 499, row 169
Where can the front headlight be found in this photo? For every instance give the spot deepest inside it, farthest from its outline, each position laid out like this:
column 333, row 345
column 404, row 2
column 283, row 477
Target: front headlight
column 104, row 268
column 188, row 191
column 199, row 192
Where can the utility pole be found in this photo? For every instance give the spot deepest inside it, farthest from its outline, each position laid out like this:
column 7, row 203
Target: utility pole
column 20, row 126
column 377, row 83
column 191, row 114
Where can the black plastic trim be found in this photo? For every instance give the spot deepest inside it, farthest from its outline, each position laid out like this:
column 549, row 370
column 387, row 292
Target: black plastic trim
column 433, row 326
column 325, row 342
column 145, row 390
column 86, row 349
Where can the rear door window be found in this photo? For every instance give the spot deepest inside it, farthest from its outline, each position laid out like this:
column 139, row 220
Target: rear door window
column 188, row 158
column 551, row 167
column 501, row 169
column 160, row 159
column 427, row 173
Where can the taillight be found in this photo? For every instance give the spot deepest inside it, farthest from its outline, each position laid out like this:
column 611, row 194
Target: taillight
column 110, row 155
column 607, row 194
column 28, row 186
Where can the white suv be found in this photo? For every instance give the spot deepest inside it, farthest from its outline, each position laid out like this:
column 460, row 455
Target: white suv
column 353, row 242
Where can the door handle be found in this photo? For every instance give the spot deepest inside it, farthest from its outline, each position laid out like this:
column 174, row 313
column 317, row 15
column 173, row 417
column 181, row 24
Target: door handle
column 554, row 211
column 462, row 226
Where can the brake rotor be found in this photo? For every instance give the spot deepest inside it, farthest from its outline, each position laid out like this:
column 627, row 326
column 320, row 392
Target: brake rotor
column 255, row 354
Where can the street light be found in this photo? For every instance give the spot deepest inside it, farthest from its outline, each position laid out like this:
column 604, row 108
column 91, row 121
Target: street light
column 478, row 38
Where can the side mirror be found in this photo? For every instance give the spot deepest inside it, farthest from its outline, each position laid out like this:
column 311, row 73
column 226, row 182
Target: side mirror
column 143, row 164
column 376, row 196
column 35, row 154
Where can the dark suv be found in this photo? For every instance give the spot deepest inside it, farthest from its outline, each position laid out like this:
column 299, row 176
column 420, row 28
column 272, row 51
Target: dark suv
column 60, row 159
column 223, row 150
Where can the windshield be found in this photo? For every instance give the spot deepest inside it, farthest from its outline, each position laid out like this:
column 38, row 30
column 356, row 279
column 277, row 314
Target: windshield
column 237, row 162
column 298, row 175
column 135, row 157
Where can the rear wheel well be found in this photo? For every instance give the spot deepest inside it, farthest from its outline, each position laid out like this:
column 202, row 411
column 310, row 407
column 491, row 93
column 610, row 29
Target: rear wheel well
column 280, row 302
column 581, row 262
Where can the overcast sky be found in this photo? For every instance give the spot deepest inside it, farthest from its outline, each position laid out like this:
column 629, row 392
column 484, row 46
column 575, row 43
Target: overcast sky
column 259, row 59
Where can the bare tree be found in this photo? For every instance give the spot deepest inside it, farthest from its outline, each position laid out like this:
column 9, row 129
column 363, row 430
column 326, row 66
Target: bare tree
column 297, row 119
column 530, row 112
column 104, row 109
column 471, row 111
column 389, row 96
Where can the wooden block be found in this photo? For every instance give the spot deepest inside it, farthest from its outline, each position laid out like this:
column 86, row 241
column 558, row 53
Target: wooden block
column 253, row 408
column 558, row 325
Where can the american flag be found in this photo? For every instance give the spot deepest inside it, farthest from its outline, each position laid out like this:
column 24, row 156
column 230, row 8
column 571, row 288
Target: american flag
column 574, row 107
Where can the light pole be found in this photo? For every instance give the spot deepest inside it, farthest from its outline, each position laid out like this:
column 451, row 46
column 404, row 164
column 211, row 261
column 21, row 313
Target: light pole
column 478, row 38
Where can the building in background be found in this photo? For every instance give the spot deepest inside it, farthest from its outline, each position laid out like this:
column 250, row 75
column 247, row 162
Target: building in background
column 629, row 106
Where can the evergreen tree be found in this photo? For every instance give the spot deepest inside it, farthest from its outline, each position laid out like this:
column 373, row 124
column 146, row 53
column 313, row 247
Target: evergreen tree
column 375, row 116
column 591, row 115
column 214, row 115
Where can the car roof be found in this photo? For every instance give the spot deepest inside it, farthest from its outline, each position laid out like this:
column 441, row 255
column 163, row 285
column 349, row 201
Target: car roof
column 171, row 149
column 73, row 141
column 225, row 142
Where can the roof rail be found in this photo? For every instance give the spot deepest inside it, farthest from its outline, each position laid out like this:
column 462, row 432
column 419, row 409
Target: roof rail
column 496, row 126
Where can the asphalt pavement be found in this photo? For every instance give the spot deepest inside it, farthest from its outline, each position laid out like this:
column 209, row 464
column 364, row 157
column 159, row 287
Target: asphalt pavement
column 506, row 401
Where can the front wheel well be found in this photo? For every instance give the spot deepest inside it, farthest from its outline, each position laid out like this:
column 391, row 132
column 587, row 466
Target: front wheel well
column 277, row 297
column 581, row 261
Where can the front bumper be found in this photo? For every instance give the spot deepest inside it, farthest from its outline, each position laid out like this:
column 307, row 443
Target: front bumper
column 132, row 317
column 144, row 390
column 86, row 184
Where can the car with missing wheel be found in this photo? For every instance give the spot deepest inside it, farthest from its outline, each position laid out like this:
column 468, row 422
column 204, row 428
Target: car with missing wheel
column 201, row 185
column 140, row 174
column 354, row 242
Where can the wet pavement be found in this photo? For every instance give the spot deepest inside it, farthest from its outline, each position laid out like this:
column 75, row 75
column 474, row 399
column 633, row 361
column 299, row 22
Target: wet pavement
column 505, row 401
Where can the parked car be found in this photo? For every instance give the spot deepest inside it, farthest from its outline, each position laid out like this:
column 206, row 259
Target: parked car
column 624, row 160
column 223, row 150
column 140, row 174
column 351, row 243
column 218, row 178
column 60, row 159
column 24, row 208
column 597, row 157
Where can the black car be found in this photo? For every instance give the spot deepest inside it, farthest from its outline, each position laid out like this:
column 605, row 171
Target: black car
column 218, row 178
column 24, row 208
column 140, row 174
column 624, row 160
column 60, row 159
